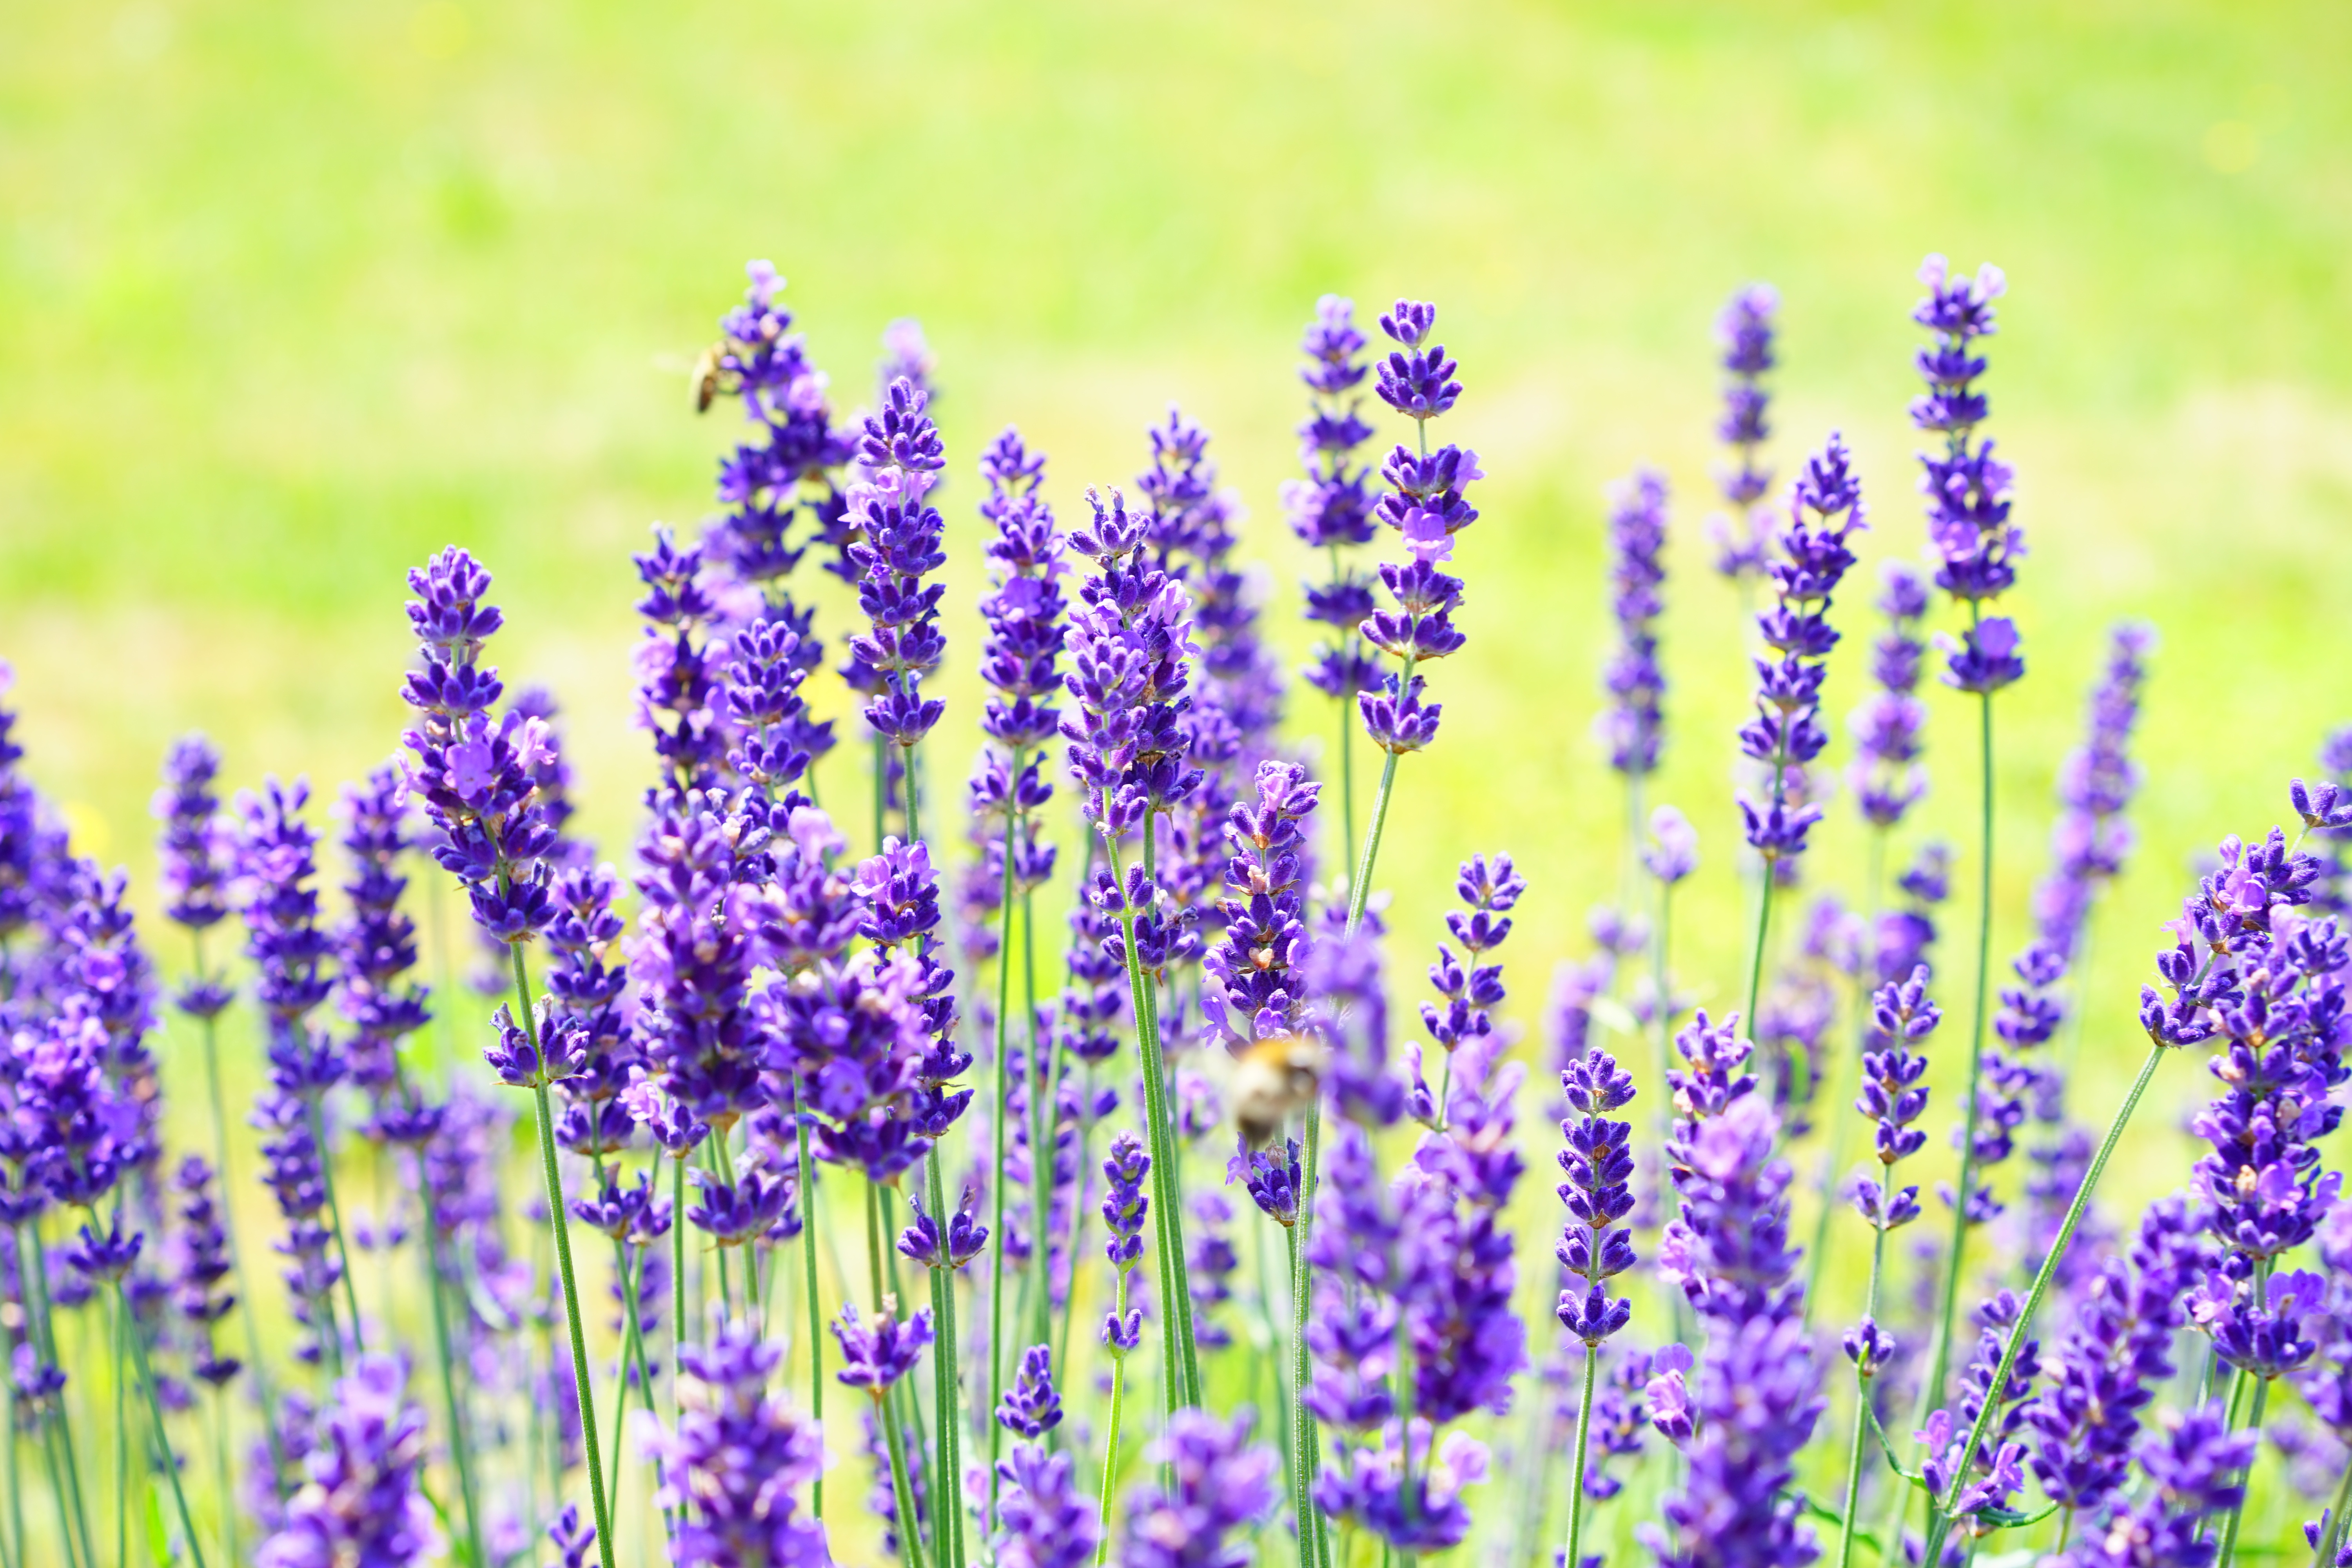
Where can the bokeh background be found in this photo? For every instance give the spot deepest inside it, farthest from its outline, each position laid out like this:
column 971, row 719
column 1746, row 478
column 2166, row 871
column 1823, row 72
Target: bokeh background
column 290, row 296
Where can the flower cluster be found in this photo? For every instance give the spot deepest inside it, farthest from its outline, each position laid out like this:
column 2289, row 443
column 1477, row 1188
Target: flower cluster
column 1745, row 329
column 1966, row 487
column 1331, row 509
column 899, row 535
column 1632, row 726
column 1786, row 735
column 359, row 1501
column 1887, row 777
column 738, row 1458
column 1425, row 501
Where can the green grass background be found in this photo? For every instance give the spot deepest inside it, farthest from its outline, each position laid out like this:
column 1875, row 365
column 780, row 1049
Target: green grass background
column 290, row 296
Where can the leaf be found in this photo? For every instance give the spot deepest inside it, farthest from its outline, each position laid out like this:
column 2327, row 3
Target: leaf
column 1829, row 1515
column 1887, row 1446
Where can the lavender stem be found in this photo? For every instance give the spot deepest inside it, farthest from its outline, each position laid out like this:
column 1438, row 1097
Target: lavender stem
column 163, row 1441
column 947, row 1411
column 1939, row 1520
column 1001, row 1099
column 459, row 1439
column 1931, row 1392
column 816, row 1311
column 2238, row 1508
column 1575, row 1472
column 591, row 1447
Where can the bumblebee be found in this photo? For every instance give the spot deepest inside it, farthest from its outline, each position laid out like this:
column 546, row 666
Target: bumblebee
column 1274, row 1079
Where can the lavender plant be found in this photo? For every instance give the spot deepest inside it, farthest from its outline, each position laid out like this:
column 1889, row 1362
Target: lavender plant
column 747, row 1033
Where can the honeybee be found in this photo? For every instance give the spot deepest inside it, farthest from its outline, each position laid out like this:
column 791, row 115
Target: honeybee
column 705, row 377
column 1273, row 1079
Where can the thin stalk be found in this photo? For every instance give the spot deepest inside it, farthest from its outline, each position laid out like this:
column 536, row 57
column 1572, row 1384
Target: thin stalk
column 591, row 1447
column 1576, row 1475
column 221, row 1155
column 2238, row 1510
column 335, row 1215
column 633, row 1354
column 228, row 1478
column 886, row 1410
column 1045, row 1067
column 1939, row 1520
column 1001, row 1099
column 15, row 1477
column 815, row 1309
column 1110, row 1445
column 122, row 1430
column 58, row 1492
column 1302, row 1438
column 162, row 1440
column 1179, row 1368
column 460, row 1442
column 1833, row 1159
column 2324, row 1553
column 1361, row 892
column 1862, row 1378
column 946, row 1398
column 1931, row 1393
column 62, row 1427
column 1079, row 1206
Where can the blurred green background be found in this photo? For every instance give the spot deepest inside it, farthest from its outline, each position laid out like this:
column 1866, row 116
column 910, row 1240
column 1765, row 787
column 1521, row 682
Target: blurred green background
column 290, row 296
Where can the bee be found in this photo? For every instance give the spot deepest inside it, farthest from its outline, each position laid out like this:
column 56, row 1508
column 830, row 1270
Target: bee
column 1273, row 1079
column 705, row 377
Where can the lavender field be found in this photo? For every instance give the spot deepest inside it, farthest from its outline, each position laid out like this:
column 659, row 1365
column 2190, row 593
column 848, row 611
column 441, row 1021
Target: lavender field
column 1580, row 909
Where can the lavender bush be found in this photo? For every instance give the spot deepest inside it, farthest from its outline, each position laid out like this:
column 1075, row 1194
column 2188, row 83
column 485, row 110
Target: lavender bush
column 840, row 1126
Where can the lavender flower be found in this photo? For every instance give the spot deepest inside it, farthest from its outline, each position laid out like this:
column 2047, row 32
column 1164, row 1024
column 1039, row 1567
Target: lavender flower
column 2192, row 1464
column 360, row 1503
column 1966, row 488
column 2093, row 835
column 1043, row 1520
column 679, row 695
column 1632, row 727
column 1468, row 988
column 1424, row 502
column 475, row 777
column 589, row 986
column 1124, row 1209
column 1030, row 1407
column 1021, row 651
column 900, row 545
column 1258, row 968
column 2116, row 1356
column 1755, row 1401
column 1894, row 1095
column 1886, row 775
column 739, row 1455
column 1744, row 328
column 851, row 1033
column 1129, row 644
column 204, row 1263
column 875, row 1354
column 1785, row 733
column 691, row 961
column 1218, row 1483
column 194, row 861
column 1600, row 1164
column 378, row 949
column 1331, row 509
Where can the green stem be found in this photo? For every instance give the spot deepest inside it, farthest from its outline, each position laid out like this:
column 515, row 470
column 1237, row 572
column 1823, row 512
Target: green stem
column 1940, row 1521
column 1180, row 1367
column 16, row 1480
column 63, row 1424
column 1862, row 1376
column 460, row 1442
column 1302, row 1438
column 1358, row 895
column 1834, row 1160
column 885, row 1409
column 162, row 1440
column 1575, row 1473
column 222, row 1150
column 591, row 1447
column 1001, row 1098
column 335, row 1217
column 632, row 1355
column 816, row 1310
column 947, row 1415
column 1931, row 1392
column 2238, row 1510
column 1111, row 1445
column 121, row 1429
column 2324, row 1553
column 1045, row 1068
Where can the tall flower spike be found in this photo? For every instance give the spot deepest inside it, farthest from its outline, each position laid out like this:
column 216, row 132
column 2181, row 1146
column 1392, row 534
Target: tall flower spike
column 1745, row 329
column 1258, row 967
column 1966, row 487
column 1218, row 1483
column 193, row 860
column 738, row 1459
column 1598, row 1162
column 1887, row 774
column 378, row 949
column 1632, row 727
column 1786, row 735
column 899, row 545
column 475, row 776
column 1423, row 499
column 1331, row 509
column 360, row 1502
column 1043, row 1520
column 2192, row 1462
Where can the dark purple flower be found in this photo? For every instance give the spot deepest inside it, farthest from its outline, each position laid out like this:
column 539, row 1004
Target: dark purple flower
column 1272, row 1179
column 679, row 694
column 1966, row 487
column 1218, row 1484
column 2257, row 1325
column 573, row 1537
column 277, row 862
column 875, row 1354
column 1426, row 1514
column 2193, row 1463
column 477, row 778
column 739, row 1457
column 1786, row 735
column 1672, row 853
column 1030, row 1407
column 1331, row 509
column 377, row 947
column 193, row 853
column 692, row 957
column 1633, row 725
column 1258, row 965
column 1043, row 1520
column 899, row 542
column 1745, row 329
column 360, row 1505
column 1598, row 1162
column 965, row 1240
column 852, row 1036
column 204, row 1263
column 1895, row 1094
